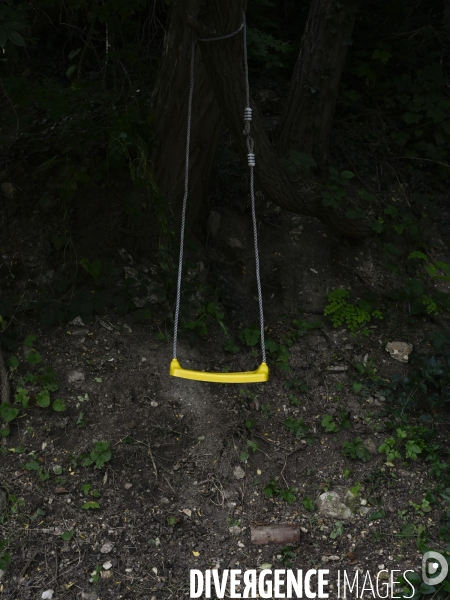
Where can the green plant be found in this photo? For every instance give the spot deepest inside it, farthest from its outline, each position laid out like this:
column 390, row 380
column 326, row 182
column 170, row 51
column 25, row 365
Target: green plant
column 99, row 456
column 356, row 450
column 422, row 508
column 297, row 426
column 338, row 530
column 68, row 535
column 329, row 425
column 250, row 446
column 354, row 316
column 286, row 554
column 209, row 312
column 272, row 489
column 265, row 410
column 308, row 503
column 95, row 575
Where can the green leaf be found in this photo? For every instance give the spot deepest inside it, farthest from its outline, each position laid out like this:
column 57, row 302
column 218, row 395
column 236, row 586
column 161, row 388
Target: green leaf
column 59, row 405
column 34, row 357
column 347, row 175
column 69, row 72
column 43, row 399
column 16, row 38
column 68, row 535
column 74, row 53
column 7, row 412
column 29, row 341
column 426, row 589
column 13, row 363
column 377, row 515
column 308, row 503
column 90, row 505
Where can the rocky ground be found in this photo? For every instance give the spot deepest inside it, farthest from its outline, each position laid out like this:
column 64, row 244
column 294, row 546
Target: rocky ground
column 138, row 477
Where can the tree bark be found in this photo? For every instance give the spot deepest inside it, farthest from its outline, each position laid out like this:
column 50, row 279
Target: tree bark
column 308, row 116
column 223, row 61
column 170, row 105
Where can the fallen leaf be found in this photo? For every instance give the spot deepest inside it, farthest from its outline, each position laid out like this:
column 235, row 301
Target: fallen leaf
column 195, row 553
column 350, row 555
column 61, row 490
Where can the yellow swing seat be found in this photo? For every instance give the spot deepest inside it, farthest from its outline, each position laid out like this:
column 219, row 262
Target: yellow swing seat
column 261, row 374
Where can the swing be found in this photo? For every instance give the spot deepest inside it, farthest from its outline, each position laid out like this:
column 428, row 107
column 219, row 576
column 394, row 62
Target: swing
column 176, row 370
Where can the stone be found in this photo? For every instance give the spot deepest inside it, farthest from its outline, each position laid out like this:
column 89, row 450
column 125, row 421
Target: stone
column 47, row 595
column 333, row 504
column 399, row 351
column 107, row 547
column 106, row 574
column 239, row 472
column 89, row 596
column 127, row 486
column 77, row 322
column 75, row 377
column 370, row 446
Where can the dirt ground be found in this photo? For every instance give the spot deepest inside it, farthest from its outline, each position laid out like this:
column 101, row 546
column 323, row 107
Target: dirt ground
column 177, row 493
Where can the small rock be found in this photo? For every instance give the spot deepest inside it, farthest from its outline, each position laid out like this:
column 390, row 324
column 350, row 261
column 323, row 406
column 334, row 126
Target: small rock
column 363, row 502
column 89, row 596
column 165, row 501
column 75, row 376
column 127, row 486
column 77, row 322
column 2, row 574
column 47, row 595
column 333, row 557
column 364, row 510
column 324, row 559
column 106, row 574
column 187, row 512
column 153, row 404
column 241, row 545
column 370, row 446
column 8, row 189
column 239, row 472
column 331, row 504
column 107, row 547
column 235, row 530
column 107, row 565
column 399, row 351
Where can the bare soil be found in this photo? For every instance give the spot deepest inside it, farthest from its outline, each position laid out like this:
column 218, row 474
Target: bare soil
column 169, row 498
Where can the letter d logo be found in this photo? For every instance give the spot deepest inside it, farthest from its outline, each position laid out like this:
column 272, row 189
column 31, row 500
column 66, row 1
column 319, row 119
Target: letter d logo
column 431, row 562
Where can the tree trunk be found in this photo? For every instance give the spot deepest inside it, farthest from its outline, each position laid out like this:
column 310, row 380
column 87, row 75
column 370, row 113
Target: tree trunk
column 308, row 115
column 223, row 61
column 170, row 105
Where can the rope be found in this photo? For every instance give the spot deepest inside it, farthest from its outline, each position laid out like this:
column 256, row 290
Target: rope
column 251, row 164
